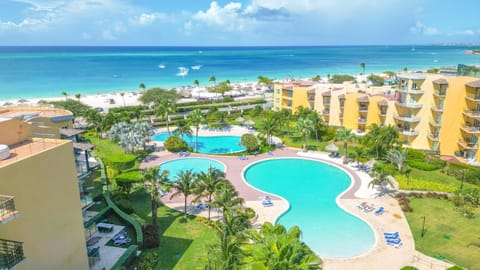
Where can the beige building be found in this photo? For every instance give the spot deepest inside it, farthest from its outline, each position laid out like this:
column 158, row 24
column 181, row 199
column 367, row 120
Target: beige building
column 431, row 112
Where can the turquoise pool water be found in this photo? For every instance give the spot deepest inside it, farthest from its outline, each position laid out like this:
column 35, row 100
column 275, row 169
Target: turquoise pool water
column 195, row 164
column 311, row 188
column 208, row 144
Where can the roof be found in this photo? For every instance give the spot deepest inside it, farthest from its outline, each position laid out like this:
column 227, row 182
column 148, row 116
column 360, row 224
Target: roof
column 412, row 76
column 383, row 102
column 327, row 94
column 440, row 81
column 474, row 84
column 69, row 132
column 83, row 146
column 311, row 91
column 342, row 96
column 363, row 99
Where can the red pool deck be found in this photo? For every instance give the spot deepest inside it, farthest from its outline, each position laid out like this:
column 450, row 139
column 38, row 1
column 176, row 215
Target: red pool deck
column 235, row 167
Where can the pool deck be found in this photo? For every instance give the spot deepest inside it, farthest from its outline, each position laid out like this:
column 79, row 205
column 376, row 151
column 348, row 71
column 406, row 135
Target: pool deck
column 381, row 256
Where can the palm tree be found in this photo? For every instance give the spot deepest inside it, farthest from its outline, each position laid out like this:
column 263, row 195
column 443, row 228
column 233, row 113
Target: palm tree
column 305, row 127
column 164, row 109
column 269, row 125
column 381, row 138
column 77, row 96
column 196, row 118
column 273, row 247
column 226, row 198
column 358, row 153
column 380, row 178
column 213, row 79
column 155, row 178
column 65, row 94
column 122, row 94
column 208, row 183
column 185, row 183
column 346, row 136
column 142, row 86
column 405, row 69
column 285, row 117
column 183, row 129
column 362, row 65
column 317, row 122
column 398, row 158
column 197, row 83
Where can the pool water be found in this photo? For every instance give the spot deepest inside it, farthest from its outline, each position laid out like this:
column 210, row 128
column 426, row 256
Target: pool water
column 311, row 188
column 195, row 164
column 208, row 144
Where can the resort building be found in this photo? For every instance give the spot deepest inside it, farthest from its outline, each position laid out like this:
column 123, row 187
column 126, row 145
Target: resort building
column 432, row 112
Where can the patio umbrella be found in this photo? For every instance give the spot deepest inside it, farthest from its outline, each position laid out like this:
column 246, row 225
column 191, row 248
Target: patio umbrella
column 249, row 123
column 22, row 100
column 331, row 147
column 7, row 104
column 240, row 119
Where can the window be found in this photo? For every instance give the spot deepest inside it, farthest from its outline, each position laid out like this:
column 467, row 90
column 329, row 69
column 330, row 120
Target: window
column 278, row 91
column 277, row 100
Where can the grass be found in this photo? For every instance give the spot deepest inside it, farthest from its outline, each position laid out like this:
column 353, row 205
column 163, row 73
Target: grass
column 183, row 245
column 448, row 232
column 431, row 181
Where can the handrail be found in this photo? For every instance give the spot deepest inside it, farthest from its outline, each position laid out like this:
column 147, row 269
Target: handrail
column 11, row 253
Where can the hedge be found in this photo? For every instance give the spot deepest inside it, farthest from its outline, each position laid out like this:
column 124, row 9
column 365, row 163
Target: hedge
column 175, row 144
column 421, row 165
column 126, row 258
column 120, row 162
column 420, row 184
column 416, row 155
column 130, row 176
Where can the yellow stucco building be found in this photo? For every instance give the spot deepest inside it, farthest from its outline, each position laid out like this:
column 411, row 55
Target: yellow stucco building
column 41, row 224
column 432, row 112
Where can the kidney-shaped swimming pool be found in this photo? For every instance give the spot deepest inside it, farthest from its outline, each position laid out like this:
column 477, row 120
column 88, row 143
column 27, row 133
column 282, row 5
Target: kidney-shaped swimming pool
column 311, row 187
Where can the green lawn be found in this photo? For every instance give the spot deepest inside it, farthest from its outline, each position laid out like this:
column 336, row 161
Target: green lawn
column 430, row 180
column 103, row 147
column 448, row 232
column 182, row 245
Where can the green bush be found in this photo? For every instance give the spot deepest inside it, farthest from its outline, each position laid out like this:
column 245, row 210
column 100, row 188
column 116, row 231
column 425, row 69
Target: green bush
column 421, row 184
column 119, row 163
column 416, row 155
column 340, row 78
column 126, row 180
column 408, row 268
column 424, row 166
column 455, row 267
column 149, row 261
column 122, row 201
column 249, row 141
column 175, row 144
column 376, row 80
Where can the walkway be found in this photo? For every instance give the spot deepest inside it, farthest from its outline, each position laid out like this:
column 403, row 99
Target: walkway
column 380, row 257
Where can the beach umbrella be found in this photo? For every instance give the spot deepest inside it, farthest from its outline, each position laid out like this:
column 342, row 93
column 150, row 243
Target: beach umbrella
column 249, row 123
column 331, row 147
column 240, row 119
column 7, row 104
column 22, row 100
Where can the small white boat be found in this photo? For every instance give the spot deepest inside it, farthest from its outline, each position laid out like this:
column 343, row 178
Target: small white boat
column 196, row 67
column 162, row 66
column 182, row 71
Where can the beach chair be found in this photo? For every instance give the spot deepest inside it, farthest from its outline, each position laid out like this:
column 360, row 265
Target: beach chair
column 380, row 211
column 362, row 205
column 391, row 237
column 199, row 205
column 369, row 208
column 394, row 242
column 267, row 203
column 180, row 154
column 186, row 154
column 395, row 234
column 269, row 153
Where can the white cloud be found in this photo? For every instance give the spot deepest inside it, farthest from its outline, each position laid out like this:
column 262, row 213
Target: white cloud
column 467, row 32
column 421, row 29
column 150, row 18
column 227, row 18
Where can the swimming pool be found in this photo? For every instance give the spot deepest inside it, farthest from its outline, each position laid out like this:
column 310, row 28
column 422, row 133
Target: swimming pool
column 195, row 164
column 208, row 144
column 311, row 188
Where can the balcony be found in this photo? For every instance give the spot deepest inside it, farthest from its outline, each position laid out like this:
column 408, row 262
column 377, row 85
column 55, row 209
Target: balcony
column 440, row 94
column 326, row 102
column 311, row 98
column 340, row 115
column 433, row 137
column 326, row 112
column 437, row 109
column 289, row 96
column 408, row 105
column 408, row 132
column 86, row 201
column 472, row 113
column 11, row 253
column 382, row 113
column 467, row 145
column 408, row 119
column 472, row 98
column 434, row 123
column 411, row 91
column 363, row 109
column 7, row 209
column 362, row 121
column 470, row 129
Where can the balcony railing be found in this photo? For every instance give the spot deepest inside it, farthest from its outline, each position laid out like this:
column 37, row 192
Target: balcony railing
column 470, row 129
column 287, row 95
column 362, row 120
column 382, row 113
column 408, row 105
column 340, row 116
column 468, row 144
column 11, row 253
column 433, row 137
column 408, row 132
column 472, row 113
column 440, row 93
column 311, row 98
column 326, row 112
column 7, row 209
column 411, row 91
column 409, row 119
column 434, row 123
column 473, row 98
column 363, row 109
column 86, row 201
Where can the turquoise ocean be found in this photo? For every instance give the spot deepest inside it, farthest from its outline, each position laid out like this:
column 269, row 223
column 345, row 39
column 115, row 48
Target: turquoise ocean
column 35, row 72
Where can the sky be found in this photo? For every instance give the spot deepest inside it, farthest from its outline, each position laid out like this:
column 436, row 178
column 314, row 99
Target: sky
column 237, row 22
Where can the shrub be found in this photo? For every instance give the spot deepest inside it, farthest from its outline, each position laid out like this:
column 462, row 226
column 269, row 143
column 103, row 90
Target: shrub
column 249, row 213
column 123, row 203
column 126, row 180
column 149, row 261
column 150, row 234
column 376, row 80
column 422, row 184
column 424, row 166
column 340, row 78
column 416, row 155
column 119, row 163
column 409, row 268
column 175, row 144
column 249, row 141
column 455, row 267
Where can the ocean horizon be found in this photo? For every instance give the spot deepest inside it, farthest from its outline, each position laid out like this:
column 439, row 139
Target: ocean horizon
column 46, row 71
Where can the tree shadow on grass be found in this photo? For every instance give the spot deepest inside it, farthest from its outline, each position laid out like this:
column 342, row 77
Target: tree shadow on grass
column 171, row 251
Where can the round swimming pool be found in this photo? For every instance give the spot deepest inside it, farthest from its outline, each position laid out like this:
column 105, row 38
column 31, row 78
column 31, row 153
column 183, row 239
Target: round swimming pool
column 311, row 188
column 208, row 144
column 195, row 164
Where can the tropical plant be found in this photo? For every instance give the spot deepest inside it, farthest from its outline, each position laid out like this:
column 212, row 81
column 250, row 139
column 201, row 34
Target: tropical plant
column 362, row 65
column 226, row 198
column 316, row 78
column 273, row 247
column 380, row 178
column 357, row 153
column 317, row 123
column 130, row 137
column 264, row 80
column 142, row 86
column 249, row 141
column 346, row 136
column 398, row 158
column 376, row 80
column 213, row 79
column 183, row 129
column 223, row 87
column 164, row 109
column 155, row 179
column 122, row 94
column 208, row 183
column 196, row 82
column 305, row 127
column 269, row 125
column 381, row 139
column 78, row 96
column 196, row 118
column 175, row 144
column 155, row 95
column 285, row 116
column 185, row 184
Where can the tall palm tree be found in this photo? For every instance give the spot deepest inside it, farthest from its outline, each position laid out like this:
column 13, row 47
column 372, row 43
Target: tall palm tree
column 269, row 125
column 208, row 183
column 213, row 79
column 183, row 129
column 78, row 96
column 164, row 109
column 122, row 94
column 358, row 153
column 197, row 83
column 65, row 94
column 196, row 118
column 273, row 247
column 226, row 198
column 142, row 86
column 362, row 65
column 286, row 117
column 305, row 127
column 317, row 122
column 381, row 138
column 155, row 178
column 380, row 178
column 346, row 136
column 185, row 183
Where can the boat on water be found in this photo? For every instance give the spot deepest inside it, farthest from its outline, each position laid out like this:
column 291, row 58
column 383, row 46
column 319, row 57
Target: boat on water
column 196, row 67
column 162, row 66
column 182, row 71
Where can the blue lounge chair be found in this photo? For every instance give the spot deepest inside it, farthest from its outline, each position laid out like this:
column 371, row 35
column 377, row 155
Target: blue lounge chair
column 199, row 205
column 180, row 154
column 394, row 242
column 269, row 153
column 186, row 154
column 266, row 203
column 380, row 211
column 391, row 237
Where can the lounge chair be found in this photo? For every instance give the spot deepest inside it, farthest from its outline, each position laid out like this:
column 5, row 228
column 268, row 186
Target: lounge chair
column 395, row 234
column 266, row 203
column 186, row 154
column 269, row 153
column 180, row 154
column 391, row 237
column 396, row 243
column 369, row 208
column 380, row 211
column 199, row 205
column 362, row 205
